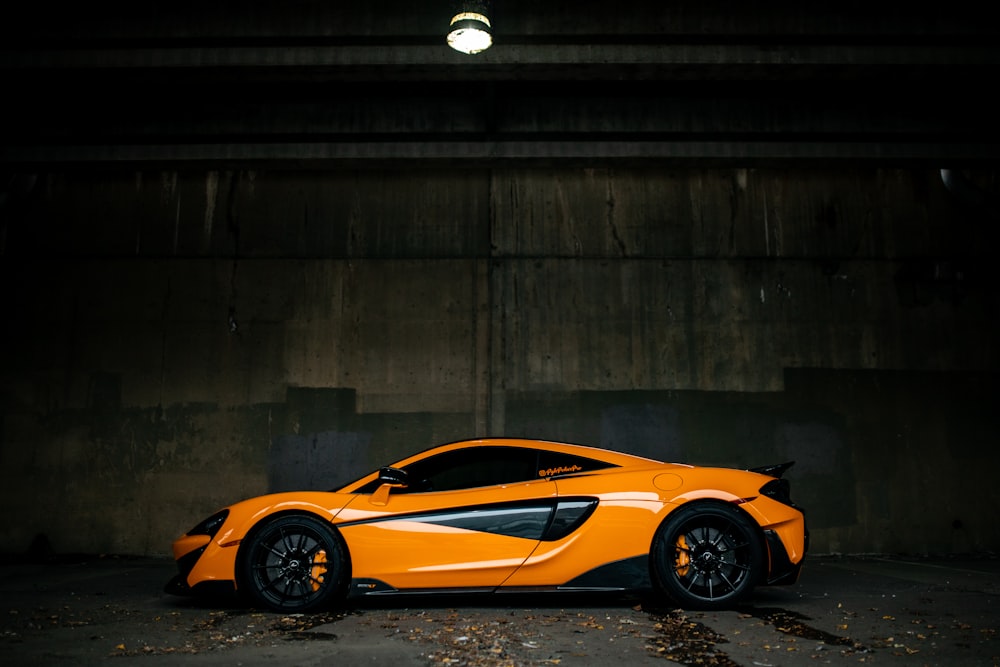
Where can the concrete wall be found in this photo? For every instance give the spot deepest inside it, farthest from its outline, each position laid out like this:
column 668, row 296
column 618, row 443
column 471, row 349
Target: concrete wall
column 176, row 341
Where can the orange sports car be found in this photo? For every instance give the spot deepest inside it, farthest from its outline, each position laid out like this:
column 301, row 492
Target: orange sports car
column 506, row 515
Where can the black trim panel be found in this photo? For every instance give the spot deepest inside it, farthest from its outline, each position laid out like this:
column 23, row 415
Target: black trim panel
column 547, row 519
column 631, row 574
column 527, row 521
column 782, row 572
column 187, row 562
column 376, row 587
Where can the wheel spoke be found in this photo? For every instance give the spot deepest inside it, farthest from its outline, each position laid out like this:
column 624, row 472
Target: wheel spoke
column 273, row 550
column 264, row 567
column 733, row 545
column 721, row 536
column 271, row 585
column 285, row 540
column 730, row 584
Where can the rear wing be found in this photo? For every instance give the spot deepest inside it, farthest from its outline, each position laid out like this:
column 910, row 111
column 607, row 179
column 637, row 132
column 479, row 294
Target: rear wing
column 776, row 470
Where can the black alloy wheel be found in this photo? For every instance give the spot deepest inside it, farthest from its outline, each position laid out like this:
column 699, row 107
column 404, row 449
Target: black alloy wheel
column 293, row 564
column 707, row 556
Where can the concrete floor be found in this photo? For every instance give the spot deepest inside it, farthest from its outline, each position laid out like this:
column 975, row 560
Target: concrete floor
column 844, row 610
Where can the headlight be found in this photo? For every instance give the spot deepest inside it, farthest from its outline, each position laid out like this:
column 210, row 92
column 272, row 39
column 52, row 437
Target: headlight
column 211, row 525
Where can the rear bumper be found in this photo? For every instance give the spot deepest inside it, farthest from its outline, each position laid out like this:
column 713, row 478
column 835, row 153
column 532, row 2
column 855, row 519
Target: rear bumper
column 782, row 571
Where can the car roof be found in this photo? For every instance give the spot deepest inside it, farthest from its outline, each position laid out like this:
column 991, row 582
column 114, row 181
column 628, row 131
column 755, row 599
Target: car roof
column 610, row 456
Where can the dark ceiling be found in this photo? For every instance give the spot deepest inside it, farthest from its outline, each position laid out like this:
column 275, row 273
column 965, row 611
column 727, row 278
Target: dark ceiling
column 304, row 84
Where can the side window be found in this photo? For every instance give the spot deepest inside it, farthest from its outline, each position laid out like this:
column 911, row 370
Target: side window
column 473, row 467
column 553, row 464
column 489, row 466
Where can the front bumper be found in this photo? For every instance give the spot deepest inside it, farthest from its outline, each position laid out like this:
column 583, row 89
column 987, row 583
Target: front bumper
column 177, row 586
column 192, row 548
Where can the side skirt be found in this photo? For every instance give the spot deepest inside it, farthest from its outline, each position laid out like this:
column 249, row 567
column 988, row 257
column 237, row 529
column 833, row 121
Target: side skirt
column 361, row 588
column 631, row 574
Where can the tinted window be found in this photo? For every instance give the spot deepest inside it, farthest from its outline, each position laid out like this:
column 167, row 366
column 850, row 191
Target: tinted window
column 472, row 467
column 488, row 466
column 552, row 464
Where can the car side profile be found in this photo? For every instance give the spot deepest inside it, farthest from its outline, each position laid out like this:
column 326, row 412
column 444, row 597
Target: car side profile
column 506, row 515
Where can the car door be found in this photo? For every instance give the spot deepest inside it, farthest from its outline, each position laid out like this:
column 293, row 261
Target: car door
column 468, row 520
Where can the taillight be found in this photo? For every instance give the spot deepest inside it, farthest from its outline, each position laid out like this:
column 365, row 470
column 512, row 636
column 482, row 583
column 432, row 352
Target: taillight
column 780, row 490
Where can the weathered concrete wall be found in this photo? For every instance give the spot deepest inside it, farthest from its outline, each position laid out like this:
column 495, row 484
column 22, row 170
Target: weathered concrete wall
column 176, row 341
column 887, row 461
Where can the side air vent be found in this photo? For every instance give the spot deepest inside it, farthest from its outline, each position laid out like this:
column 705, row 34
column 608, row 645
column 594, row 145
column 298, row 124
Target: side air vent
column 570, row 514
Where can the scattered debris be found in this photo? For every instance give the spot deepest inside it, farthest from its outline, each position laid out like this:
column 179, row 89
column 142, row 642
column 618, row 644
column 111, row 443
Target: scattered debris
column 687, row 642
column 515, row 637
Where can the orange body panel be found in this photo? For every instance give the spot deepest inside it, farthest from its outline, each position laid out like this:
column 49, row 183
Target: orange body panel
column 788, row 523
column 622, row 527
column 188, row 543
column 458, row 558
column 435, row 556
column 619, row 529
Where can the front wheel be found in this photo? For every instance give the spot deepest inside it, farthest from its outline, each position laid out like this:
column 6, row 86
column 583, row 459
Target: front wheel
column 707, row 556
column 293, row 564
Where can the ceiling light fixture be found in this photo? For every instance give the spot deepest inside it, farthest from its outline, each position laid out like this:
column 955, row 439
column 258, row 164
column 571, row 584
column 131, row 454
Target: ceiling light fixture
column 470, row 30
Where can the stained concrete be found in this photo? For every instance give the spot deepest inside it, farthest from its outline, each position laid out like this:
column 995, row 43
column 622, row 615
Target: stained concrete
column 175, row 341
column 97, row 611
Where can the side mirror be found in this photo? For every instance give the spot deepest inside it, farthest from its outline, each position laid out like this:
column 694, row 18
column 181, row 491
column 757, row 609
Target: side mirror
column 394, row 476
column 388, row 478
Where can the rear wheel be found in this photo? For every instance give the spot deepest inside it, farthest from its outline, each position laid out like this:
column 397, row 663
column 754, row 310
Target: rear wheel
column 707, row 556
column 293, row 564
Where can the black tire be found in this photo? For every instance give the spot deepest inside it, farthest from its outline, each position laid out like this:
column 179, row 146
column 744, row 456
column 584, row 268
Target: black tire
column 293, row 564
column 707, row 556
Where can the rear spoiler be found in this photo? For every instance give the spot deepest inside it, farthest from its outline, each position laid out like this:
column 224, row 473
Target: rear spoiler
column 776, row 470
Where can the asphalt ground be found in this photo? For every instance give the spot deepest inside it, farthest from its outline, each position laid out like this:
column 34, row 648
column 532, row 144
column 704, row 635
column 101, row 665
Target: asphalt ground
column 844, row 610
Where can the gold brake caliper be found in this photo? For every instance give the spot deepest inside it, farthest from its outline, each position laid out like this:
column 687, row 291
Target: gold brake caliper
column 318, row 569
column 682, row 558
